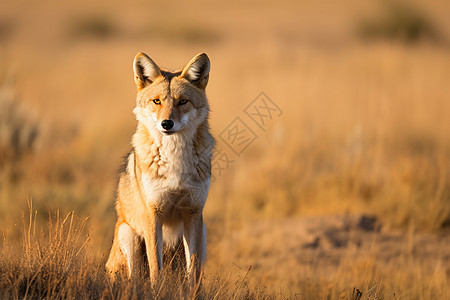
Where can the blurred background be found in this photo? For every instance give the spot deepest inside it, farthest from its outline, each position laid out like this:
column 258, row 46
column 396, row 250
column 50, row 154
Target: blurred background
column 363, row 127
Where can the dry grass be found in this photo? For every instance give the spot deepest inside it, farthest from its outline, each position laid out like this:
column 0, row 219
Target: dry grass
column 56, row 262
column 364, row 130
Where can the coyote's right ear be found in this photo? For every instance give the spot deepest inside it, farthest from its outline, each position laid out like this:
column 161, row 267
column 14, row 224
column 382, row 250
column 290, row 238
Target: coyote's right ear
column 197, row 70
column 145, row 70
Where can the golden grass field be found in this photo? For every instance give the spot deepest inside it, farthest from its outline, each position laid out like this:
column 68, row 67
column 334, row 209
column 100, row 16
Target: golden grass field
column 346, row 188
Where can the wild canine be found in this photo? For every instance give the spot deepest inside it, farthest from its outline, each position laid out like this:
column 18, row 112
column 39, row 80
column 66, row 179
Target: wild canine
column 163, row 189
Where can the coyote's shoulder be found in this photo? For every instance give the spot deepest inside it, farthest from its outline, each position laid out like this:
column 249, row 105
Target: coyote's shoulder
column 163, row 189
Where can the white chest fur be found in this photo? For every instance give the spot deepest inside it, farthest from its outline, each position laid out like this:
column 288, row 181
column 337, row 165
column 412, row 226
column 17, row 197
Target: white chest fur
column 178, row 185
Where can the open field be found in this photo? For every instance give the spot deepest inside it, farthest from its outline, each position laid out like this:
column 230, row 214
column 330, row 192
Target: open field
column 346, row 185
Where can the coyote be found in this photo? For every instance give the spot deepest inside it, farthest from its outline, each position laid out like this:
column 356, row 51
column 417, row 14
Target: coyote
column 164, row 185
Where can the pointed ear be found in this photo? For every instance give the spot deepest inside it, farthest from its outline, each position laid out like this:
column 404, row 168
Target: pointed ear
column 197, row 70
column 145, row 70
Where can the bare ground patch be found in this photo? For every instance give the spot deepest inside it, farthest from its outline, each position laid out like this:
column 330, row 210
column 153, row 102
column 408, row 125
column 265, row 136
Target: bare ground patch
column 350, row 250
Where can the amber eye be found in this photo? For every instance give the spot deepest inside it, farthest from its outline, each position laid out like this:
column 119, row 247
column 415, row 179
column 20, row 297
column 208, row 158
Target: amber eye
column 157, row 101
column 183, row 101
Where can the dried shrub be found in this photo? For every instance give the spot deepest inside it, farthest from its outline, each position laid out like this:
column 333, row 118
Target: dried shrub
column 19, row 128
column 398, row 22
column 6, row 30
column 183, row 33
column 91, row 27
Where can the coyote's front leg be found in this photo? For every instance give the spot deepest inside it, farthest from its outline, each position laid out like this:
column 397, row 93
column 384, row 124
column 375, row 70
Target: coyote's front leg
column 130, row 245
column 154, row 245
column 194, row 239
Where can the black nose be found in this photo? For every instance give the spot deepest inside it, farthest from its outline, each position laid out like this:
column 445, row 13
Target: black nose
column 167, row 124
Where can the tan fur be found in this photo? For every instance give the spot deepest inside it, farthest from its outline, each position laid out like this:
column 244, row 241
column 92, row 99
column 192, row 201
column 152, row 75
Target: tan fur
column 162, row 192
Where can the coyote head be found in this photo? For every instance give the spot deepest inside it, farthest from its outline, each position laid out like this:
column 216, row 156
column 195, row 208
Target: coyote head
column 169, row 103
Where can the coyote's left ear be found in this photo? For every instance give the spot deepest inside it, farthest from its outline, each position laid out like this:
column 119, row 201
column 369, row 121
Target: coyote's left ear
column 145, row 70
column 197, row 70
